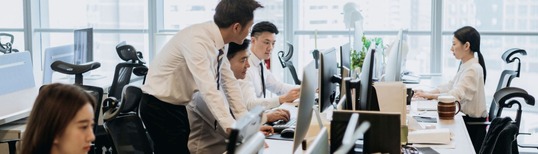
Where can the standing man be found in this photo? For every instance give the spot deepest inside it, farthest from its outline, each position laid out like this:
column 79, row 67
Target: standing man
column 263, row 38
column 192, row 61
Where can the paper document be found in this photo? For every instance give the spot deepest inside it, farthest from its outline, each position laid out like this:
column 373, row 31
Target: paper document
column 432, row 136
column 427, row 105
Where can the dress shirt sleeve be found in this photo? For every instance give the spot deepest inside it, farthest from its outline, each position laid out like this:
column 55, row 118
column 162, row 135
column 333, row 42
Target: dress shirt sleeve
column 199, row 63
column 252, row 101
column 276, row 86
column 232, row 90
column 443, row 88
column 466, row 87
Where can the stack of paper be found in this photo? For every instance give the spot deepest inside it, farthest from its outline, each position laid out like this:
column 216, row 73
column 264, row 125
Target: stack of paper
column 434, row 136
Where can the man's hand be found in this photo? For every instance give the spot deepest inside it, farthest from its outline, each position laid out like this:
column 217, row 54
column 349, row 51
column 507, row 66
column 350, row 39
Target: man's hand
column 267, row 130
column 292, row 95
column 278, row 114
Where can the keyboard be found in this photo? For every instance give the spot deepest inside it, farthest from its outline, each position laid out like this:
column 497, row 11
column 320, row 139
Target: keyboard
column 281, row 125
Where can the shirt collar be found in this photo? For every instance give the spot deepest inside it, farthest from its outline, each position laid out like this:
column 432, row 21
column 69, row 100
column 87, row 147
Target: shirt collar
column 254, row 59
column 215, row 34
column 468, row 63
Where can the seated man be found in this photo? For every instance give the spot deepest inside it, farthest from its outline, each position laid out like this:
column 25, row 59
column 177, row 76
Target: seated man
column 263, row 37
column 206, row 135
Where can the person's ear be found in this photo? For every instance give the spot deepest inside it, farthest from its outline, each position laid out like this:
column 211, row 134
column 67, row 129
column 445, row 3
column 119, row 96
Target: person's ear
column 236, row 27
column 467, row 45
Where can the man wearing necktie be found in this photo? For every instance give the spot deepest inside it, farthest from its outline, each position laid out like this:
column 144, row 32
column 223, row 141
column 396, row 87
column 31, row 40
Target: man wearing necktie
column 189, row 65
column 263, row 38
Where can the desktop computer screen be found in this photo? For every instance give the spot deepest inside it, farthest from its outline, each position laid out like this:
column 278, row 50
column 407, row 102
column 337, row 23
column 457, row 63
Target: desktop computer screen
column 83, row 51
column 367, row 98
column 396, row 58
column 345, row 55
column 383, row 134
column 328, row 68
column 305, row 110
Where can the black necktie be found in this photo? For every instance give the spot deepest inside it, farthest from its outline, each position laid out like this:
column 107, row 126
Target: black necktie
column 219, row 62
column 263, row 79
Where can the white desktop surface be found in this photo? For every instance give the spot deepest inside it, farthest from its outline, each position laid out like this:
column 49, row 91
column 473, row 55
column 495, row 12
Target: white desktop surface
column 17, row 105
column 461, row 139
column 461, row 142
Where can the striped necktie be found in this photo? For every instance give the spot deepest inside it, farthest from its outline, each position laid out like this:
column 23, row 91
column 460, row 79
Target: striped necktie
column 219, row 62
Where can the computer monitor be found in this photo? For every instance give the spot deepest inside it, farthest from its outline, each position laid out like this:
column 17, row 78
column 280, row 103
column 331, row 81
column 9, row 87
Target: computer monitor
column 328, row 68
column 345, row 56
column 383, row 134
column 321, row 143
column 305, row 110
column 367, row 98
column 83, row 46
column 52, row 54
column 245, row 135
column 396, row 58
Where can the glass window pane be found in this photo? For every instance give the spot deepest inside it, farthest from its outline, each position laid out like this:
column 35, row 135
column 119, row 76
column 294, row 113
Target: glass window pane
column 12, row 14
column 181, row 14
column 378, row 15
column 104, row 47
column 118, row 14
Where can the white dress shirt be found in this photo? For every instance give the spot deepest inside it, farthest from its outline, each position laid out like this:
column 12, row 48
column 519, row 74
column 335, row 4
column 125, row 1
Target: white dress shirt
column 271, row 83
column 468, row 87
column 188, row 64
column 251, row 100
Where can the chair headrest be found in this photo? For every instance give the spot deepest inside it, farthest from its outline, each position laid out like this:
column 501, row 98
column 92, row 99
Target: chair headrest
column 130, row 98
column 508, row 55
column 68, row 68
column 504, row 94
column 128, row 53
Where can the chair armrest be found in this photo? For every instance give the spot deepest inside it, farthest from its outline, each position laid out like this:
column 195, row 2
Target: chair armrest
column 478, row 123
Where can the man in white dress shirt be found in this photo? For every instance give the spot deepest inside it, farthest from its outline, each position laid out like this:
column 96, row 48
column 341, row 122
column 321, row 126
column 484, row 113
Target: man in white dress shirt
column 263, row 36
column 192, row 62
column 206, row 137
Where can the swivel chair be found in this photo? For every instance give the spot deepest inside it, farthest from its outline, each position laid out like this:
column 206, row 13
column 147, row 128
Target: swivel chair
column 134, row 64
column 285, row 61
column 504, row 98
column 123, row 125
column 508, row 56
column 101, row 138
column 8, row 46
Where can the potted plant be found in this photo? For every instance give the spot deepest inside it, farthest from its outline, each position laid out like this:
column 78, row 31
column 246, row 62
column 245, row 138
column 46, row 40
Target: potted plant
column 357, row 57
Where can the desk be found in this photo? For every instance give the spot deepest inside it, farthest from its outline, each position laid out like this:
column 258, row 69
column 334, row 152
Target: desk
column 17, row 105
column 462, row 142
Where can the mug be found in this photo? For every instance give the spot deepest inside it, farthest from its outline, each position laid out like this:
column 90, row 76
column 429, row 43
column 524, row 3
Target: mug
column 446, row 108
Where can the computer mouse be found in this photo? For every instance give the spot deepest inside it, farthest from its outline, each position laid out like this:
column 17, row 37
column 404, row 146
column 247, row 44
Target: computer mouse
column 288, row 132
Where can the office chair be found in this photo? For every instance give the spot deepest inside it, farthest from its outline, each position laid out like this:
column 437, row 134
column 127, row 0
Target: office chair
column 134, row 64
column 8, row 46
column 285, row 61
column 508, row 56
column 501, row 137
column 125, row 126
column 101, row 138
column 504, row 98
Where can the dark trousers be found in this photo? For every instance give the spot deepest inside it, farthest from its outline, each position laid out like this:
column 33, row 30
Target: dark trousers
column 167, row 125
column 476, row 132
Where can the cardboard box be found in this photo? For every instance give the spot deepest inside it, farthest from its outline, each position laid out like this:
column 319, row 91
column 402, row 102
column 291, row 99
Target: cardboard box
column 13, row 130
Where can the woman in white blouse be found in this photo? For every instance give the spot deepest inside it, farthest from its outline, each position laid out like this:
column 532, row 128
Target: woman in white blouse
column 468, row 84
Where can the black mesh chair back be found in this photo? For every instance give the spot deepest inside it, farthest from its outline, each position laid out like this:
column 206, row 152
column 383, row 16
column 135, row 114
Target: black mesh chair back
column 133, row 64
column 128, row 135
column 505, row 80
column 285, row 61
column 501, row 137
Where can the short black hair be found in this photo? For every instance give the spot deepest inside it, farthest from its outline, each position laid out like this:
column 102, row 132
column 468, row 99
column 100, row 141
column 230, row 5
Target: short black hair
column 264, row 26
column 233, row 48
column 228, row 12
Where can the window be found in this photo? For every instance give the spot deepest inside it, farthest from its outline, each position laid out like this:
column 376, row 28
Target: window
column 112, row 21
column 12, row 22
column 389, row 15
